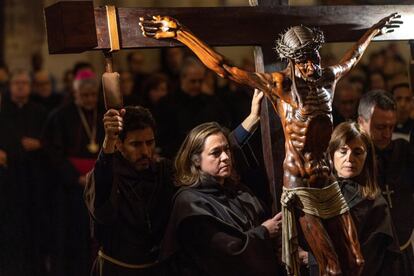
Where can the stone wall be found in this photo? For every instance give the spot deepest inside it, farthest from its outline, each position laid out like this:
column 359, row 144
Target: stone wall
column 23, row 30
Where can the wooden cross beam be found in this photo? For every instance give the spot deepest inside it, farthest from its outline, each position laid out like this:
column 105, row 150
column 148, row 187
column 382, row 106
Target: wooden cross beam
column 78, row 26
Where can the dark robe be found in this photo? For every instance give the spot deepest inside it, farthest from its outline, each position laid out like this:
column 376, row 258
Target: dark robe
column 23, row 215
column 396, row 169
column 49, row 103
column 66, row 141
column 216, row 230
column 178, row 113
column 376, row 232
column 130, row 211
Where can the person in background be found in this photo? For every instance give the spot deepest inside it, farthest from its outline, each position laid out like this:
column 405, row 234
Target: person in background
column 73, row 136
column 403, row 97
column 127, row 89
column 43, row 93
column 4, row 80
column 136, row 66
column 358, row 81
column 345, row 104
column 377, row 113
column 155, row 88
column 67, row 90
column 172, row 59
column 24, row 216
column 178, row 113
column 376, row 81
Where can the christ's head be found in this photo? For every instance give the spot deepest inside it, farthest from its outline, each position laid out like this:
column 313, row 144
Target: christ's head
column 300, row 45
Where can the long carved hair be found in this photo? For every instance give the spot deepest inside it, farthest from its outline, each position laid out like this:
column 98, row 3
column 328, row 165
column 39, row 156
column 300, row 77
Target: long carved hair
column 346, row 132
column 188, row 159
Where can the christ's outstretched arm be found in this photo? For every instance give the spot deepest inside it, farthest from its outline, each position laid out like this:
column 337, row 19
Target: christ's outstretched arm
column 353, row 55
column 161, row 27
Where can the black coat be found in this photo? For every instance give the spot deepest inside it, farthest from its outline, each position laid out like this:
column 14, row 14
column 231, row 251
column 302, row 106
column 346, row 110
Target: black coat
column 216, row 230
column 130, row 209
column 23, row 193
column 376, row 232
column 396, row 173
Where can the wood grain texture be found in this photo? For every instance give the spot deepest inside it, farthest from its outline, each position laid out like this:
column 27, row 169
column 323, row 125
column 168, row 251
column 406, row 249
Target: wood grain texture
column 71, row 27
column 226, row 26
column 270, row 125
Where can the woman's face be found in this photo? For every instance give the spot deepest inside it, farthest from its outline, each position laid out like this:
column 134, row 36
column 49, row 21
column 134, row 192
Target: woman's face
column 216, row 157
column 350, row 158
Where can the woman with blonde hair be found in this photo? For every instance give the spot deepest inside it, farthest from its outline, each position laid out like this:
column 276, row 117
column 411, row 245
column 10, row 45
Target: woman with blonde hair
column 217, row 226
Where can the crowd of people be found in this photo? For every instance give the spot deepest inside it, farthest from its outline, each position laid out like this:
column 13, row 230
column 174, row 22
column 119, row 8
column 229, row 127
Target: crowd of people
column 86, row 189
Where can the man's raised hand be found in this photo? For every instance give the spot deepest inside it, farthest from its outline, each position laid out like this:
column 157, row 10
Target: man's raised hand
column 113, row 125
column 159, row 27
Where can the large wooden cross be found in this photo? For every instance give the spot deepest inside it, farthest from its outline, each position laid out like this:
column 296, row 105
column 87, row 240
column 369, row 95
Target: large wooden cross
column 78, row 26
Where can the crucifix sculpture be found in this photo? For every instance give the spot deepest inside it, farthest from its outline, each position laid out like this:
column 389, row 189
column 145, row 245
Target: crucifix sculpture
column 302, row 95
column 255, row 26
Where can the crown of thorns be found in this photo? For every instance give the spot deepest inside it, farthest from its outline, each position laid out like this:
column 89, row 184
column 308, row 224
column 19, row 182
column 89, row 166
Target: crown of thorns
column 306, row 47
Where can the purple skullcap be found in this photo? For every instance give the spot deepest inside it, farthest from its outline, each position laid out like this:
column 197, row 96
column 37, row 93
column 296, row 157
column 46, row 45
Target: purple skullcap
column 85, row 74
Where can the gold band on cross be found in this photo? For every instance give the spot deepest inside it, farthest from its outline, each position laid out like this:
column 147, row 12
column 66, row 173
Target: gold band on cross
column 111, row 18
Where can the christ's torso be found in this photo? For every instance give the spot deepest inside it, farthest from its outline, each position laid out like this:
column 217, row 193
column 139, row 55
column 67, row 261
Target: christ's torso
column 308, row 128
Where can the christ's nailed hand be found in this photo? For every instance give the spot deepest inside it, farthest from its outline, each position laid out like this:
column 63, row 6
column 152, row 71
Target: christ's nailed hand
column 159, row 27
column 389, row 23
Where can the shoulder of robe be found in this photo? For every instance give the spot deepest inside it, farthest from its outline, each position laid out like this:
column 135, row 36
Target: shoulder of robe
column 189, row 197
column 186, row 195
column 190, row 203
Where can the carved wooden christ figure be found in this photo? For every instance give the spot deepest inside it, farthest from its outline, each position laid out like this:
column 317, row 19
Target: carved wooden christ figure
column 302, row 95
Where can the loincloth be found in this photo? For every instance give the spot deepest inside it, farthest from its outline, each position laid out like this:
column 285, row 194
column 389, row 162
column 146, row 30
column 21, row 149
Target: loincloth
column 324, row 203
